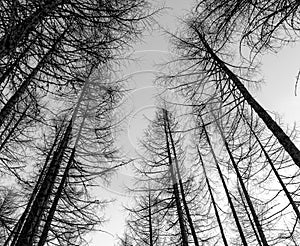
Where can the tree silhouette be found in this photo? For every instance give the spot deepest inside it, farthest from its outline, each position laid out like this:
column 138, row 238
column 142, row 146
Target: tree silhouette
column 145, row 221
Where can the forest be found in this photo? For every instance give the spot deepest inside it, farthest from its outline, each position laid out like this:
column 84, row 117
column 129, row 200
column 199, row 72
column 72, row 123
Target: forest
column 215, row 167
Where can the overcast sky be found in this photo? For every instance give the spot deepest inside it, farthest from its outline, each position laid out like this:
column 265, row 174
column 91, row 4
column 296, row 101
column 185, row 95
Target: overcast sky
column 276, row 95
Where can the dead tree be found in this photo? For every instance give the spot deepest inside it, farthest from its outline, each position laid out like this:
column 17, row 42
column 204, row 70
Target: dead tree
column 159, row 168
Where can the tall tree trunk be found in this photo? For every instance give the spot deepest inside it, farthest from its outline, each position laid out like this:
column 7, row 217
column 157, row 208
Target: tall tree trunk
column 249, row 218
column 58, row 193
column 150, row 220
column 16, row 231
column 175, row 187
column 239, row 227
column 240, row 178
column 277, row 175
column 62, row 184
column 38, row 201
column 39, row 205
column 185, row 205
column 283, row 139
column 213, row 200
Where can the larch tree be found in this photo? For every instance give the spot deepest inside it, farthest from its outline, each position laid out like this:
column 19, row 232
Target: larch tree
column 144, row 222
column 261, row 25
column 50, row 52
column 62, row 185
column 47, row 45
column 157, row 144
column 222, row 85
column 163, row 166
column 249, row 155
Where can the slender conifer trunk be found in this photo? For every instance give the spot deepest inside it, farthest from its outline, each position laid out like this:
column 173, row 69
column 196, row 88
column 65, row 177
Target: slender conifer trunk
column 277, row 131
column 175, row 186
column 238, row 224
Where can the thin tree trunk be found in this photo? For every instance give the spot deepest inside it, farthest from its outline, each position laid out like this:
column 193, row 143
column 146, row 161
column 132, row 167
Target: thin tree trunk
column 8, row 136
column 6, row 128
column 239, row 227
column 150, row 220
column 213, row 201
column 283, row 139
column 12, row 130
column 249, row 218
column 58, row 193
column 62, row 184
column 249, row 202
column 175, row 189
column 286, row 192
column 34, row 216
column 15, row 232
column 185, row 205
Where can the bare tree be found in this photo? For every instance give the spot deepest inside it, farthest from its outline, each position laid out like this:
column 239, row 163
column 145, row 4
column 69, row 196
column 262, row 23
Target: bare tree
column 214, row 82
column 228, row 195
column 45, row 46
column 81, row 150
column 262, row 25
column 213, row 201
column 159, row 167
column 144, row 223
column 48, row 52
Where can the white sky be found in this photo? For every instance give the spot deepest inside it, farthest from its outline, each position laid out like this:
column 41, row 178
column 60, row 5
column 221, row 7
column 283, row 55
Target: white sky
column 276, row 95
